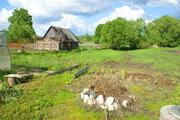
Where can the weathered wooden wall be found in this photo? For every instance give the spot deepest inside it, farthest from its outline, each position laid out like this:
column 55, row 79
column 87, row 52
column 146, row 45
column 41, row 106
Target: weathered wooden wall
column 47, row 44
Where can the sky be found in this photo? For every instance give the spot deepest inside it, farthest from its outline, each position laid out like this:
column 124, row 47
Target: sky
column 83, row 16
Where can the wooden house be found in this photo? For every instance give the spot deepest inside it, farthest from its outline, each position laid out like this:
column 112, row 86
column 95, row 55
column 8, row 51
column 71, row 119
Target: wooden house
column 57, row 38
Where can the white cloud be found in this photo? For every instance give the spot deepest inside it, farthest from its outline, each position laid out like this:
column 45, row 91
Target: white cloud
column 124, row 12
column 163, row 2
column 63, row 12
column 4, row 15
column 35, row 8
column 67, row 21
column 154, row 3
column 49, row 7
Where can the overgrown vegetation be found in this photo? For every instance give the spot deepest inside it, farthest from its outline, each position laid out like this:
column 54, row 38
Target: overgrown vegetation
column 122, row 34
column 164, row 32
column 55, row 97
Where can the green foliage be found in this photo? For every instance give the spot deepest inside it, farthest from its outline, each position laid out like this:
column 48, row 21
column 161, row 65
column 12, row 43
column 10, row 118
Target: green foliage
column 20, row 29
column 164, row 32
column 8, row 94
column 122, row 34
column 86, row 38
column 98, row 33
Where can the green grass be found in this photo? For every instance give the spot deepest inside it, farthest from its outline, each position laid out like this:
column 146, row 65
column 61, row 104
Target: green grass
column 56, row 60
column 50, row 98
column 159, row 58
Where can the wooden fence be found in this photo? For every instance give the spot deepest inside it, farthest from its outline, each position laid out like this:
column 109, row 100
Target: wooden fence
column 20, row 46
column 16, row 45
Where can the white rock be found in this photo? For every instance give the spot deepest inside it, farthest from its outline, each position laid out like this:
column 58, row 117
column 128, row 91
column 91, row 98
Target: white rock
column 125, row 103
column 100, row 100
column 104, row 107
column 91, row 97
column 93, row 93
column 111, row 108
column 116, row 106
column 109, row 101
column 86, row 98
column 82, row 95
column 132, row 97
column 87, row 90
column 91, row 100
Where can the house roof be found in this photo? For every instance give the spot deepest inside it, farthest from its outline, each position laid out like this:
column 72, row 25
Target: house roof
column 67, row 32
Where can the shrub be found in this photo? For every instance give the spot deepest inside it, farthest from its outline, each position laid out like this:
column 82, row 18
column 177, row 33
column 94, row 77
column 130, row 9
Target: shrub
column 121, row 34
column 164, row 32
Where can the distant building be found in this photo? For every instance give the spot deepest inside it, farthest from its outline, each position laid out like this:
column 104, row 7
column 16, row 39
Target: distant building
column 57, row 38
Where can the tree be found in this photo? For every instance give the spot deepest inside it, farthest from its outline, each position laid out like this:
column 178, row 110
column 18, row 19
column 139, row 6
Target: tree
column 98, row 33
column 21, row 26
column 121, row 33
column 164, row 32
column 86, row 38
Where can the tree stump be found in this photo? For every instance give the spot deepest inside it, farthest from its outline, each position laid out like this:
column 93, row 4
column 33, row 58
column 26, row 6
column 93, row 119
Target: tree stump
column 11, row 79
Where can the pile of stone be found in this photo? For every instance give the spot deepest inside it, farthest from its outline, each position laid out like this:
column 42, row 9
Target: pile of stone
column 90, row 97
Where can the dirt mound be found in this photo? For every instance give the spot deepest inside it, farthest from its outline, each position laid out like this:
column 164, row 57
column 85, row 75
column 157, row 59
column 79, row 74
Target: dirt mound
column 118, row 84
column 109, row 85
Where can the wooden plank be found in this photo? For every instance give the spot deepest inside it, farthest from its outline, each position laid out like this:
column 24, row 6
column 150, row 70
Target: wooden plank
column 24, row 76
column 64, row 70
column 81, row 72
column 20, row 77
column 11, row 76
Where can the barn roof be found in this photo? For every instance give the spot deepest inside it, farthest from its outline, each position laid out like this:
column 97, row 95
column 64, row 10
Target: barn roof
column 65, row 31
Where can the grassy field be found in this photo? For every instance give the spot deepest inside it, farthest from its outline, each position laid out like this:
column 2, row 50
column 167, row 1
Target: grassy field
column 53, row 98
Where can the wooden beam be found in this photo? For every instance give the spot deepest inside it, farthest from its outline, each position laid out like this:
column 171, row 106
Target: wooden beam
column 64, row 70
column 82, row 71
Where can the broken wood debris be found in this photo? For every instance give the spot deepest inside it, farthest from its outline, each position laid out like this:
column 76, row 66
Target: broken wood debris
column 82, row 71
column 12, row 77
column 64, row 70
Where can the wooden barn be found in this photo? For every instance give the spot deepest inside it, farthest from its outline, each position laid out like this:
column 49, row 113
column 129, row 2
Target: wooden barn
column 57, row 38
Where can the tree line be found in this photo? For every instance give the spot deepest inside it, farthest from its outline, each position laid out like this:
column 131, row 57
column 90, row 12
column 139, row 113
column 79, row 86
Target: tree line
column 119, row 34
column 122, row 34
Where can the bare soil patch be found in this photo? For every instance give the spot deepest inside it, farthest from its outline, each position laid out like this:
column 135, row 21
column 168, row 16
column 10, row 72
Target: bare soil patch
column 127, row 64
column 117, row 83
column 174, row 51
